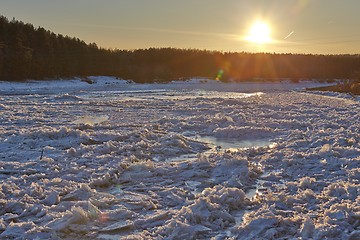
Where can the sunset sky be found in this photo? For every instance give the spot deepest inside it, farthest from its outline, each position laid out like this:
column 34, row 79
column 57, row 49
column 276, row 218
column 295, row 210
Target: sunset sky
column 296, row 26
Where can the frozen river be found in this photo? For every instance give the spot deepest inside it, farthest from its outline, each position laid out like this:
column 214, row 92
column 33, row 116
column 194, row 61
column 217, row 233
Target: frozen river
column 195, row 160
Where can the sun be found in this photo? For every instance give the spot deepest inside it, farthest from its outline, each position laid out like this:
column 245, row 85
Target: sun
column 259, row 33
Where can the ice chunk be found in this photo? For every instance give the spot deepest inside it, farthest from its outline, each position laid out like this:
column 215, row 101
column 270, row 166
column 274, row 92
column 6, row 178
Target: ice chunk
column 103, row 181
column 355, row 235
column 14, row 207
column 233, row 198
column 52, row 199
column 212, row 206
column 118, row 226
column 307, row 229
column 176, row 229
column 257, row 228
column 139, row 170
column 82, row 193
column 77, row 215
column 243, row 132
column 2, row 224
column 16, row 230
column 325, row 148
column 307, row 182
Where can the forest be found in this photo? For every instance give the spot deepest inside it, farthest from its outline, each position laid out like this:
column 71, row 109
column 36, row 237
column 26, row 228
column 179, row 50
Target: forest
column 27, row 52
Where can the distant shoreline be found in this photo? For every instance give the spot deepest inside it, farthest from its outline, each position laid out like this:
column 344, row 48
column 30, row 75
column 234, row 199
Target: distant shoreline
column 351, row 88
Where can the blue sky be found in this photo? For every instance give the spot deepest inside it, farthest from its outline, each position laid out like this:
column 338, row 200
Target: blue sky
column 297, row 26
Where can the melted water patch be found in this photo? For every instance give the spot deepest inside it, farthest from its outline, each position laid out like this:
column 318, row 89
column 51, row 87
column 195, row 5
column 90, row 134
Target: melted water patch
column 91, row 120
column 222, row 144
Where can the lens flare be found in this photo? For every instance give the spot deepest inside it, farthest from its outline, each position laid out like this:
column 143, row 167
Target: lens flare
column 219, row 75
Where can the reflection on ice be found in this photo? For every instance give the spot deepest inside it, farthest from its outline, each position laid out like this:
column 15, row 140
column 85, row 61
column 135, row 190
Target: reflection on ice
column 257, row 191
column 166, row 94
column 233, row 144
column 91, row 120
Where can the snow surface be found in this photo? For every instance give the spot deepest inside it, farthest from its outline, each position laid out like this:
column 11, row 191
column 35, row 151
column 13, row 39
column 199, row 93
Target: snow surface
column 184, row 160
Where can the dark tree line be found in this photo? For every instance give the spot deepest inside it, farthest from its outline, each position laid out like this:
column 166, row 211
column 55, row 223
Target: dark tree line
column 27, row 52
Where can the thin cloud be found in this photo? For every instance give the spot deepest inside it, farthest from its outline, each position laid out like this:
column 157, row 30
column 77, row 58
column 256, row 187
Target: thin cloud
column 224, row 35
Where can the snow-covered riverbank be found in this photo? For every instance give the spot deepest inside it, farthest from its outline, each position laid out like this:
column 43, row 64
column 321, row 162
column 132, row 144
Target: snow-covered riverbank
column 166, row 161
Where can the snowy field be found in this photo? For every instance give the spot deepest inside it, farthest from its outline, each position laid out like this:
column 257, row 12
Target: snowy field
column 193, row 160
